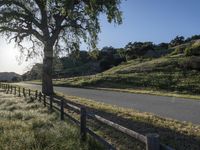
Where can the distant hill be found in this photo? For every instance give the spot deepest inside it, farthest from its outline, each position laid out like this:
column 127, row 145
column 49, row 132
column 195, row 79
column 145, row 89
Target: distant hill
column 9, row 76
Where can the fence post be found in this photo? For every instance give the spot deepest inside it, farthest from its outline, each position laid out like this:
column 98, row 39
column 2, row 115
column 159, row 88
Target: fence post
column 8, row 88
column 19, row 91
column 152, row 142
column 83, row 124
column 11, row 89
column 29, row 92
column 51, row 102
column 62, row 110
column 44, row 98
column 40, row 96
column 24, row 92
column 36, row 94
column 15, row 91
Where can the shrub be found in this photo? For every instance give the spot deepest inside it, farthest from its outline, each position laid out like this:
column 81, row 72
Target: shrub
column 105, row 64
column 194, row 50
column 190, row 63
column 179, row 50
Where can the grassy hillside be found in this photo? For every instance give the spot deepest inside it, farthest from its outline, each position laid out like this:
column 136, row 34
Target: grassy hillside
column 27, row 125
column 176, row 73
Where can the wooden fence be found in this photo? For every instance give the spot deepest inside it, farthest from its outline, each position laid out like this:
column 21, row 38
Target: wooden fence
column 150, row 140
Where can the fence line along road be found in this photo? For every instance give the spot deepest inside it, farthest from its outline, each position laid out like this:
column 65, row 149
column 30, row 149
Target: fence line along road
column 150, row 140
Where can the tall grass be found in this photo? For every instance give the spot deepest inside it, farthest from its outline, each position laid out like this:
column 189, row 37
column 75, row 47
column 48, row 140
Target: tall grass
column 28, row 125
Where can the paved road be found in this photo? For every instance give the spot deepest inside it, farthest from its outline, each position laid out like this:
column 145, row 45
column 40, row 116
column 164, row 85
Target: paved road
column 170, row 107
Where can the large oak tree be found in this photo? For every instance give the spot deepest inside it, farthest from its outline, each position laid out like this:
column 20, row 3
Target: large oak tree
column 54, row 26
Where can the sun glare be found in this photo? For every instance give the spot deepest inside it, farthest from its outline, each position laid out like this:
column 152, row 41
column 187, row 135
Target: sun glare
column 8, row 58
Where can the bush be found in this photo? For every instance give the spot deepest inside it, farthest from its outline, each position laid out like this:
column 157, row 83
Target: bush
column 179, row 50
column 104, row 64
column 191, row 63
column 194, row 50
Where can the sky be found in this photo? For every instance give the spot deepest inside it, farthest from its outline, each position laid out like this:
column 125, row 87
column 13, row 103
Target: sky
column 143, row 20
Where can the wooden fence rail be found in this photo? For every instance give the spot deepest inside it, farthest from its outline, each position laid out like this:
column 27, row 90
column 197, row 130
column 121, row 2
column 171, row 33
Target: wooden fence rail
column 150, row 140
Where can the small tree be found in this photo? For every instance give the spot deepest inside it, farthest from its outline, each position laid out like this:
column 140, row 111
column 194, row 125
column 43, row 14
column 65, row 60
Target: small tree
column 54, row 25
column 177, row 41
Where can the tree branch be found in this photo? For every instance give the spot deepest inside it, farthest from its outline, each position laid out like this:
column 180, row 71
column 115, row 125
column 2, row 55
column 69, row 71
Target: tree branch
column 21, row 31
column 44, row 21
column 29, row 15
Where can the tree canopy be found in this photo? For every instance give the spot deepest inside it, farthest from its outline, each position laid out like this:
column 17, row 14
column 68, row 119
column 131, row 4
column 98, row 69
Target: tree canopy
column 54, row 25
column 66, row 21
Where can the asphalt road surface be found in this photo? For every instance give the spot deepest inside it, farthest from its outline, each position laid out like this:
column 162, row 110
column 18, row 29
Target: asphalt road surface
column 170, row 107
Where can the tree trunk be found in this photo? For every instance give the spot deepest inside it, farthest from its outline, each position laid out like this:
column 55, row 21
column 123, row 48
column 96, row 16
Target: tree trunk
column 47, row 85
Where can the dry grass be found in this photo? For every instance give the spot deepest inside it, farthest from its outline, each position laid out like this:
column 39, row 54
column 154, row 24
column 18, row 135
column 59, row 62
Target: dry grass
column 179, row 135
column 28, row 125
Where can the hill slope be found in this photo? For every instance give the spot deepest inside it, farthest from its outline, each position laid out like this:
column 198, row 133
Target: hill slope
column 173, row 73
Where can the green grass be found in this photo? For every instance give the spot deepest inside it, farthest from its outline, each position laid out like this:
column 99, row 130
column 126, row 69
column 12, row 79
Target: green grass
column 28, row 125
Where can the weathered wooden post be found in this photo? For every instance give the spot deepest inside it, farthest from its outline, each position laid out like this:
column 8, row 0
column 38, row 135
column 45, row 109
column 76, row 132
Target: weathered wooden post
column 8, row 88
column 15, row 90
column 62, row 110
column 29, row 92
column 83, row 124
column 152, row 142
column 11, row 89
column 19, row 90
column 36, row 94
column 44, row 99
column 51, row 102
column 24, row 93
column 40, row 96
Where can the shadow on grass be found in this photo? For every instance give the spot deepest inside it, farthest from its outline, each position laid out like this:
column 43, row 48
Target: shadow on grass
column 173, row 137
